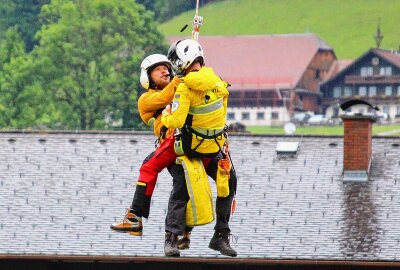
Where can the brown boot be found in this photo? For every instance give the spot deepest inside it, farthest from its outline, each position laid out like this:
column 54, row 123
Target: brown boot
column 131, row 224
column 184, row 242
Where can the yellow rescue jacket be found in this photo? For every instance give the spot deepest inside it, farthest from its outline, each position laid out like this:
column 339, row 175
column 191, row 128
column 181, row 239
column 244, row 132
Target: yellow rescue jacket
column 152, row 102
column 199, row 107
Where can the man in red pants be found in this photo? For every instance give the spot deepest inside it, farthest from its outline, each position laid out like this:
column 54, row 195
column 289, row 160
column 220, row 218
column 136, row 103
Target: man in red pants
column 156, row 75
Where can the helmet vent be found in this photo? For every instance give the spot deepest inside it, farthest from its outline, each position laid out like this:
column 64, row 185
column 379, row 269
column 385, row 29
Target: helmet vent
column 186, row 49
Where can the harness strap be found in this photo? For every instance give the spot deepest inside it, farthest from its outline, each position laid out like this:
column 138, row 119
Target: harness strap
column 206, row 133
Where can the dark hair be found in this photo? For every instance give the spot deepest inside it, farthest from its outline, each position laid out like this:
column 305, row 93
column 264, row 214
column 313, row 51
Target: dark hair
column 199, row 60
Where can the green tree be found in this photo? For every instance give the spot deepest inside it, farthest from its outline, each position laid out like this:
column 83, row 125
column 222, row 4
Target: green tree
column 23, row 104
column 24, row 15
column 89, row 57
column 12, row 46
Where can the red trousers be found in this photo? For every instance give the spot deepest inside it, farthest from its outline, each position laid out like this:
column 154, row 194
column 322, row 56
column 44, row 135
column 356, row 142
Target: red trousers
column 160, row 159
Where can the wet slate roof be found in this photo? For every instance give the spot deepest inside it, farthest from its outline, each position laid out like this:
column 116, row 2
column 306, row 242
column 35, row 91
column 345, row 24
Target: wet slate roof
column 59, row 192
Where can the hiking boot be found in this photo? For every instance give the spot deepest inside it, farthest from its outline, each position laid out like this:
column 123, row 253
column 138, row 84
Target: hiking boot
column 184, row 242
column 131, row 224
column 171, row 245
column 220, row 242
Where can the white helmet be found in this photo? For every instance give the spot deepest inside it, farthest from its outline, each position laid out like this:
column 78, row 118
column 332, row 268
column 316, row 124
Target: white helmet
column 148, row 64
column 183, row 53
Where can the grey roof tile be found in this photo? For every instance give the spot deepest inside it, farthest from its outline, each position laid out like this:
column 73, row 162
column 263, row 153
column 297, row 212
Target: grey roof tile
column 59, row 197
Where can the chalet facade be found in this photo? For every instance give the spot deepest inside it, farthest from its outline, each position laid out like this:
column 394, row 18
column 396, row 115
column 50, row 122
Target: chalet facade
column 373, row 77
column 271, row 76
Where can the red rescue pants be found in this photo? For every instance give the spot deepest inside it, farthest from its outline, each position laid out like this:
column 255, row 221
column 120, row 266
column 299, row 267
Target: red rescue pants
column 161, row 158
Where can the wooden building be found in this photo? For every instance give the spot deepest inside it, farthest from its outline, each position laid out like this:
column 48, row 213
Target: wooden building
column 373, row 77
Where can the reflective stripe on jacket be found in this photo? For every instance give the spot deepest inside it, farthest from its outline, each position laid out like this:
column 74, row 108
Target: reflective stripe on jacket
column 200, row 208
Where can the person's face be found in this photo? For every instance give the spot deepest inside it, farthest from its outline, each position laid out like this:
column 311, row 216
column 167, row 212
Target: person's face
column 160, row 76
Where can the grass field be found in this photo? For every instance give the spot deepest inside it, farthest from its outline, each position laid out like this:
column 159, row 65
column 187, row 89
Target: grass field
column 377, row 130
column 348, row 26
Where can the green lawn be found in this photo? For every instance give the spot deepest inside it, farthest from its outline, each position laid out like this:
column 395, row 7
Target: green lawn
column 348, row 26
column 323, row 130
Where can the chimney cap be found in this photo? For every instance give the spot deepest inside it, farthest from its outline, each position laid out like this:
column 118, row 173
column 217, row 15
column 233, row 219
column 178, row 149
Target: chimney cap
column 347, row 104
column 358, row 116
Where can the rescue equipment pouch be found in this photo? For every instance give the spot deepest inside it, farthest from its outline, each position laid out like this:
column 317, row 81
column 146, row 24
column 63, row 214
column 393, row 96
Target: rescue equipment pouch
column 223, row 174
column 200, row 208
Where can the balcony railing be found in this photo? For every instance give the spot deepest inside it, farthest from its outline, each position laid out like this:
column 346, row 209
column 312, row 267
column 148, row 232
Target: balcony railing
column 376, row 79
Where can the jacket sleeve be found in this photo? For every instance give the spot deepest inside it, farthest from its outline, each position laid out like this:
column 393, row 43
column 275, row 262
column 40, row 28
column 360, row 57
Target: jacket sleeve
column 179, row 109
column 150, row 102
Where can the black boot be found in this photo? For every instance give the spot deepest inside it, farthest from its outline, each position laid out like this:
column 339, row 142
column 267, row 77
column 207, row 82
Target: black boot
column 220, row 242
column 171, row 245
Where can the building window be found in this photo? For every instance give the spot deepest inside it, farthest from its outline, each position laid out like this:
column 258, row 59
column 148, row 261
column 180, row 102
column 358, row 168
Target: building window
column 245, row 116
column 317, row 74
column 274, row 115
column 337, row 91
column 366, row 71
column 398, row 111
column 388, row 90
column 260, row 116
column 231, row 116
column 372, row 91
column 362, row 90
column 386, row 71
column 386, row 109
column 348, row 91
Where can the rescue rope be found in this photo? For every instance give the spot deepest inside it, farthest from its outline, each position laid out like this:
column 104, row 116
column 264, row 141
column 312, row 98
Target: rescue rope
column 196, row 23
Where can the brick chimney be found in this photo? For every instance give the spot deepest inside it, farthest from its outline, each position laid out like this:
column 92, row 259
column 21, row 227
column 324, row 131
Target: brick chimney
column 357, row 152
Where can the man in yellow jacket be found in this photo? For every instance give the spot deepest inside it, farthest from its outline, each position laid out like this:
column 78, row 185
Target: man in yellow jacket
column 199, row 111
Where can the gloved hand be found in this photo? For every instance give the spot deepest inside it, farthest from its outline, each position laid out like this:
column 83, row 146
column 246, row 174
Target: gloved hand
column 167, row 109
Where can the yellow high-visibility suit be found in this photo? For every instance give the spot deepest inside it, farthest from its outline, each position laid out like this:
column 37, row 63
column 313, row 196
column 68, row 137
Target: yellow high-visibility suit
column 200, row 104
column 199, row 108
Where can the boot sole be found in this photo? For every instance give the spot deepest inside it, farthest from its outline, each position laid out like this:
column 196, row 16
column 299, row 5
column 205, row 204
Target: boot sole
column 225, row 254
column 183, row 247
column 127, row 230
column 173, row 255
column 135, row 233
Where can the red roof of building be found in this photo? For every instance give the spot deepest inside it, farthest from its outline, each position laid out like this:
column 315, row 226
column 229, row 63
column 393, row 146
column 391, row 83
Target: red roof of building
column 336, row 67
column 260, row 62
column 390, row 55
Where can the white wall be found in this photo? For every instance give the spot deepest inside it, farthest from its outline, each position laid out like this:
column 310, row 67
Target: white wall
column 283, row 116
column 392, row 110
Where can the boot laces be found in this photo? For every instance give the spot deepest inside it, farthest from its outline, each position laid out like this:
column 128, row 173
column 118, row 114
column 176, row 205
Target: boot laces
column 233, row 238
column 126, row 219
column 126, row 216
column 170, row 238
column 229, row 237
